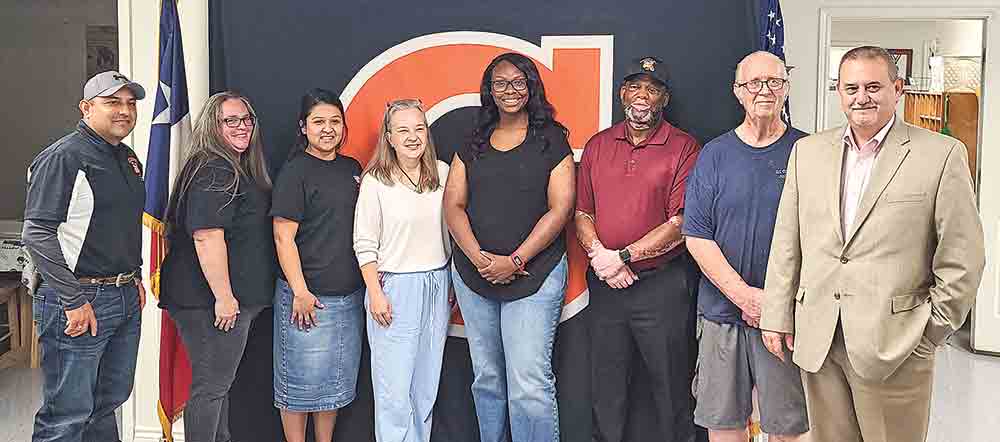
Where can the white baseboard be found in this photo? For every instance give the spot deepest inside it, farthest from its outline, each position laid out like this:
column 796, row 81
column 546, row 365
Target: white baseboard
column 155, row 434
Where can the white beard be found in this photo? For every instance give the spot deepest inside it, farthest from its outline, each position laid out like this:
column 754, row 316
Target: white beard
column 641, row 117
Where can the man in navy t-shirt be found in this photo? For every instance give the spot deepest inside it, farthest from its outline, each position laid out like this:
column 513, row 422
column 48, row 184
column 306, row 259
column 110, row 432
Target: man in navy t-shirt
column 730, row 209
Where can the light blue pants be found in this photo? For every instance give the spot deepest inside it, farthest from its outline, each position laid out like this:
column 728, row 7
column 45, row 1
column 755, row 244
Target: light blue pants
column 406, row 356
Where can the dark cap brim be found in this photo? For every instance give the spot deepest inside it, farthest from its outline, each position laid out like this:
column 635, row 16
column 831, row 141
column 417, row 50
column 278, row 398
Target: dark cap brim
column 631, row 77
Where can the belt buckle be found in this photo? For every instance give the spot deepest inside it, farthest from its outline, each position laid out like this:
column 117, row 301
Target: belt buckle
column 118, row 280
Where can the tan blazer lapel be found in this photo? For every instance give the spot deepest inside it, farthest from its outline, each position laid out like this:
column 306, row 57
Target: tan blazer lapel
column 892, row 153
column 836, row 180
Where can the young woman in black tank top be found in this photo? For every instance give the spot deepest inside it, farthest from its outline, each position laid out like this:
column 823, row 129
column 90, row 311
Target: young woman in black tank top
column 510, row 193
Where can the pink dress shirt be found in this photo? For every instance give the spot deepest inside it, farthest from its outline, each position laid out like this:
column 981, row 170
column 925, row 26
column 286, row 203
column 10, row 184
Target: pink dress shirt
column 858, row 162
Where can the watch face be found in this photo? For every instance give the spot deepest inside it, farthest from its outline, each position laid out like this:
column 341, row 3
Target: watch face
column 518, row 261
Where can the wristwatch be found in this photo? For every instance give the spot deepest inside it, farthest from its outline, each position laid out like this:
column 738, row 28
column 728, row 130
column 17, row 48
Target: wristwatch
column 625, row 255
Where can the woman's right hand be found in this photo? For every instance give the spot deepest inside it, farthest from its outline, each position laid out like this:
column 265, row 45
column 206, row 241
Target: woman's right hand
column 304, row 305
column 227, row 310
column 379, row 307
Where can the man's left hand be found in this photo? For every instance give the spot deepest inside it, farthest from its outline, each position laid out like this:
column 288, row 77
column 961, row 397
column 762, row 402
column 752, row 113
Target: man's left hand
column 142, row 293
column 774, row 341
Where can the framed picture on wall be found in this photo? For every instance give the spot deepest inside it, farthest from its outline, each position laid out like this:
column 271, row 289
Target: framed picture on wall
column 904, row 61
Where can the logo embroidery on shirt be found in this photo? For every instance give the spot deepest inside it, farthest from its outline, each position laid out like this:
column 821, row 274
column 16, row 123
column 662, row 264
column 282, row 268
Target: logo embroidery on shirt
column 134, row 162
column 780, row 172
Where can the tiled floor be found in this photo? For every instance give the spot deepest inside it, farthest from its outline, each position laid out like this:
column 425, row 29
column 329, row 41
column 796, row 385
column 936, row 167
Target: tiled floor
column 20, row 395
column 966, row 404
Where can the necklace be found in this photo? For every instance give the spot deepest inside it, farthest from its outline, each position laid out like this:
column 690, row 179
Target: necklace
column 415, row 187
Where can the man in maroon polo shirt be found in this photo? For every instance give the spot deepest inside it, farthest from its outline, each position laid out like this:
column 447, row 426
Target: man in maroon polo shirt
column 630, row 203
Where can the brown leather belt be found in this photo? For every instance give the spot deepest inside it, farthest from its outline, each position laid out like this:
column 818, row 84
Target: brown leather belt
column 118, row 280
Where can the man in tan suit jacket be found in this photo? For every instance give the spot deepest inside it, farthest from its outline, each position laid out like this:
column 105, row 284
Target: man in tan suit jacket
column 876, row 259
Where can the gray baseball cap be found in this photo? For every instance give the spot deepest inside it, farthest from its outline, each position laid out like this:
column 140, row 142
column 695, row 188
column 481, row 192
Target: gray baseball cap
column 107, row 83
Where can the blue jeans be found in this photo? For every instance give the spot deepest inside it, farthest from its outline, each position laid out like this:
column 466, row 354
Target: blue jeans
column 407, row 355
column 87, row 377
column 316, row 369
column 511, row 348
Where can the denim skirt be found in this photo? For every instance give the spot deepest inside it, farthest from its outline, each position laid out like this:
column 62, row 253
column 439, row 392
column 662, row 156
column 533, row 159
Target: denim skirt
column 317, row 369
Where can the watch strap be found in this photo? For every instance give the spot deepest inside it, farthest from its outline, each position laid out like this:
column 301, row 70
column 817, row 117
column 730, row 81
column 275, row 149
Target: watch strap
column 517, row 260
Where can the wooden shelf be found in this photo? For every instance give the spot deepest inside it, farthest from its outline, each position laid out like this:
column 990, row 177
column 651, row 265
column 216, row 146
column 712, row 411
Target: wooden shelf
column 926, row 109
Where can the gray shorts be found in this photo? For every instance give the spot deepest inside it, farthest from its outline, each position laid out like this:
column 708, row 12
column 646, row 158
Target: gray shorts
column 732, row 360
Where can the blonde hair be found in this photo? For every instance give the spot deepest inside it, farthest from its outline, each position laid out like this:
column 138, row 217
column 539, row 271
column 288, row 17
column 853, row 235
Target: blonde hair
column 384, row 164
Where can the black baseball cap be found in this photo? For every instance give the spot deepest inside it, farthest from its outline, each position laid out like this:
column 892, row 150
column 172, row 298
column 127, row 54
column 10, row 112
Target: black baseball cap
column 650, row 66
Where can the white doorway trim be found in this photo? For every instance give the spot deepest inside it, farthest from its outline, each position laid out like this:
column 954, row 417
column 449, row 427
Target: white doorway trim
column 986, row 315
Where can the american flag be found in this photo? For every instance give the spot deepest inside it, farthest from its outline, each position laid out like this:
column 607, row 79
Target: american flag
column 772, row 37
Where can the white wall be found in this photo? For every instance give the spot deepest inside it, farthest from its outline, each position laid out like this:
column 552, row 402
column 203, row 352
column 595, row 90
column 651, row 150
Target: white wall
column 44, row 59
column 139, row 41
column 960, row 38
column 888, row 34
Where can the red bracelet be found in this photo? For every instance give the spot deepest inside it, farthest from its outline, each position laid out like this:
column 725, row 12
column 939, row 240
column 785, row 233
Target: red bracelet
column 517, row 261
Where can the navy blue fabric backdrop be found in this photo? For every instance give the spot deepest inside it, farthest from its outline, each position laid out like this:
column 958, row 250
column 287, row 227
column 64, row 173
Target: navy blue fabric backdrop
column 274, row 51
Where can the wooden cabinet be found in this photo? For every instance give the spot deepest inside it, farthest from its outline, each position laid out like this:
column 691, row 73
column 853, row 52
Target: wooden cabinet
column 17, row 340
column 959, row 111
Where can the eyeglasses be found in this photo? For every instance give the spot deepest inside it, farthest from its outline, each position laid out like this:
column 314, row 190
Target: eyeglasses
column 755, row 86
column 519, row 85
column 233, row 122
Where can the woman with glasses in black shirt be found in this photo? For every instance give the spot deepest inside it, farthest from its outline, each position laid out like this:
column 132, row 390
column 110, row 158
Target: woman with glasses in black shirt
column 219, row 273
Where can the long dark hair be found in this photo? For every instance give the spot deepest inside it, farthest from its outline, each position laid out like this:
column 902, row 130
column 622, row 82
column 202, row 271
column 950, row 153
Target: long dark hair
column 540, row 111
column 206, row 144
column 312, row 98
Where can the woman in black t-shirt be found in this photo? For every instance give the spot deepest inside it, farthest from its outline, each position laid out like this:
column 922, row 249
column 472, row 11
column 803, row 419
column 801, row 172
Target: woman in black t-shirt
column 220, row 270
column 319, row 298
column 510, row 193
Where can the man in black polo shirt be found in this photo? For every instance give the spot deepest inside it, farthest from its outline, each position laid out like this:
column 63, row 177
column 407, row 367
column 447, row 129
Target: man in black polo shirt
column 82, row 228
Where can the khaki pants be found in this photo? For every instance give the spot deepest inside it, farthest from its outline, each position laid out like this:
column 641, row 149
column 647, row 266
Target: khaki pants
column 843, row 407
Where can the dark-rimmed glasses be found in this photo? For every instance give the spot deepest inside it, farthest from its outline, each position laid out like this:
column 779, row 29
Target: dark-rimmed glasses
column 233, row 122
column 519, row 85
column 755, row 86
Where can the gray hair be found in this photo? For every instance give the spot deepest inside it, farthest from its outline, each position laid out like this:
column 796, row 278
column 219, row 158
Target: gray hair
column 872, row 53
column 207, row 143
